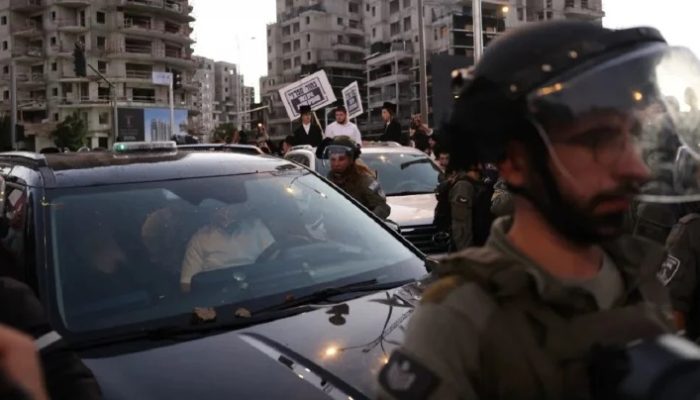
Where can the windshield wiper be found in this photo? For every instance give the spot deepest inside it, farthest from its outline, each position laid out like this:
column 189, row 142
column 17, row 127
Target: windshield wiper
column 413, row 162
column 324, row 294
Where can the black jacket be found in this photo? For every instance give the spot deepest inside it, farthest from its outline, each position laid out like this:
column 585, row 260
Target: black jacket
column 392, row 133
column 314, row 137
column 66, row 376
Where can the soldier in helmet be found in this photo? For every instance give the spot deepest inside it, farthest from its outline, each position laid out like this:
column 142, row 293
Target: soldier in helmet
column 354, row 177
column 572, row 114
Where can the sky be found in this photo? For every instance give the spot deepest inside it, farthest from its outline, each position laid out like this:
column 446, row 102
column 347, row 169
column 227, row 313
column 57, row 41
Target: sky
column 236, row 30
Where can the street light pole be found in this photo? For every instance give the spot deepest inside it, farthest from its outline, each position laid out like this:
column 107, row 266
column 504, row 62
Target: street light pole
column 478, row 30
column 13, row 101
column 423, row 67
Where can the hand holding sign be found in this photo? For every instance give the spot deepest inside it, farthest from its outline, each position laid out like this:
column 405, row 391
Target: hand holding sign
column 314, row 91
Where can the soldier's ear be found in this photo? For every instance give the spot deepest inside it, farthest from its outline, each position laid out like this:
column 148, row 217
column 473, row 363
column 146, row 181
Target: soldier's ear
column 514, row 168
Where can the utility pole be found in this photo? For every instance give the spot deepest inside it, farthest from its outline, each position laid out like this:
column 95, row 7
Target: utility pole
column 478, row 30
column 423, row 67
column 172, row 107
column 13, row 101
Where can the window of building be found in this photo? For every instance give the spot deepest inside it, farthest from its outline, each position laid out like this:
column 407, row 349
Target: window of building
column 55, row 116
column 549, row 15
column 374, row 32
column 308, row 20
column 395, row 28
column 407, row 24
column 295, row 28
column 6, row 69
column 269, row 66
column 104, row 118
column 286, row 30
column 102, row 67
column 374, row 11
column 101, row 17
column 435, row 32
column 308, row 56
column 354, row 7
column 269, row 49
column 54, row 92
column 53, row 15
column 340, row 21
column 297, row 61
column 308, row 38
column 297, row 44
column 286, row 47
column 3, row 20
column 4, row 45
column 393, row 6
column 287, row 64
column 354, row 24
column 54, row 67
column 521, row 15
column 406, row 3
column 53, row 40
column 101, row 42
column 6, row 95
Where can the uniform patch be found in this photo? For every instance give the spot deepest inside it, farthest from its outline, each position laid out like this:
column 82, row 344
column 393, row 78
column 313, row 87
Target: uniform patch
column 406, row 378
column 668, row 269
column 377, row 188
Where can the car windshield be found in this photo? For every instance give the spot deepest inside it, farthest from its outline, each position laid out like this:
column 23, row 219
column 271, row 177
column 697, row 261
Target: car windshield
column 403, row 173
column 126, row 254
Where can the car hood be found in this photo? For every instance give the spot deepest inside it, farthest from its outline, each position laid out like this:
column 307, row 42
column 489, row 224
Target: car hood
column 335, row 350
column 412, row 210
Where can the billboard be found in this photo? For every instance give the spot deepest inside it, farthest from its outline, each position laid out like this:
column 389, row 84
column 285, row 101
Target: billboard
column 314, row 91
column 149, row 124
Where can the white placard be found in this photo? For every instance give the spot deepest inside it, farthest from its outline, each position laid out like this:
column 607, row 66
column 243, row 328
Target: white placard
column 314, row 91
column 353, row 101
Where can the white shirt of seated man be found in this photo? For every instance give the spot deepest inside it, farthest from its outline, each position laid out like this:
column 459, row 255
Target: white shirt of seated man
column 234, row 238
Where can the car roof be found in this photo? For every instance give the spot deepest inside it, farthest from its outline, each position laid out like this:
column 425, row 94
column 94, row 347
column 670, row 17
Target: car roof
column 103, row 168
column 237, row 148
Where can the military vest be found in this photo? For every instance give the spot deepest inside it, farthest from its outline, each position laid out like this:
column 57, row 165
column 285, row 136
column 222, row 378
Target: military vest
column 538, row 342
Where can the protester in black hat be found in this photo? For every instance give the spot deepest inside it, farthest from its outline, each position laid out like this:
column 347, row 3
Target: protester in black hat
column 392, row 127
column 309, row 132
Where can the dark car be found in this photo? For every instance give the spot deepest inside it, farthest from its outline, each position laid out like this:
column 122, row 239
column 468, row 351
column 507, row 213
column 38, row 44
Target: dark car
column 207, row 275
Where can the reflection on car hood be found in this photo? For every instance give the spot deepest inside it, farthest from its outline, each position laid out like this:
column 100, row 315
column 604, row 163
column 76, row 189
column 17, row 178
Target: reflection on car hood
column 336, row 350
column 412, row 210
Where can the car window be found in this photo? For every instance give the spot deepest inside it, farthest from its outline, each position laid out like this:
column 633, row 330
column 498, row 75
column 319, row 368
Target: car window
column 122, row 253
column 403, row 173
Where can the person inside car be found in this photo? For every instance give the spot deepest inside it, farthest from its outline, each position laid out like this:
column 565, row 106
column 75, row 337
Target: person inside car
column 233, row 238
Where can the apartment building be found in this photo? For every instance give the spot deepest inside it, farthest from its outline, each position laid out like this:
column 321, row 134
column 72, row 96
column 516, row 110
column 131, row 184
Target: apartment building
column 125, row 40
column 203, row 123
column 311, row 35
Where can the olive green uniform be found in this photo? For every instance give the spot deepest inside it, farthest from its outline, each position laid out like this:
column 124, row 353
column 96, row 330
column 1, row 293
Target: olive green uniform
column 679, row 272
column 497, row 326
column 502, row 200
column 461, row 208
column 364, row 189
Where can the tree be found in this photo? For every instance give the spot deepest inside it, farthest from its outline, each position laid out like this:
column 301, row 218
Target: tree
column 224, row 133
column 70, row 133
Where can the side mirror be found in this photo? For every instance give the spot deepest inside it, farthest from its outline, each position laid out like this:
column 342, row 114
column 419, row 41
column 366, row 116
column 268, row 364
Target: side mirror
column 393, row 225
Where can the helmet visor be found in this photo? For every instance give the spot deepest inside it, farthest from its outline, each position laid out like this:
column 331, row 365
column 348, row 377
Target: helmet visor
column 643, row 100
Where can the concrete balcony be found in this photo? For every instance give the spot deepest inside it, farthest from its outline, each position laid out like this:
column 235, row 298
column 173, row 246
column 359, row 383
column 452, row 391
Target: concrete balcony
column 575, row 11
column 72, row 3
column 28, row 29
column 31, row 80
column 70, row 26
column 28, row 54
column 26, row 6
column 389, row 79
column 178, row 10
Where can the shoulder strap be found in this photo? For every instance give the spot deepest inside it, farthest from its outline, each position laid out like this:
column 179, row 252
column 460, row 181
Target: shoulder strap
column 689, row 218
